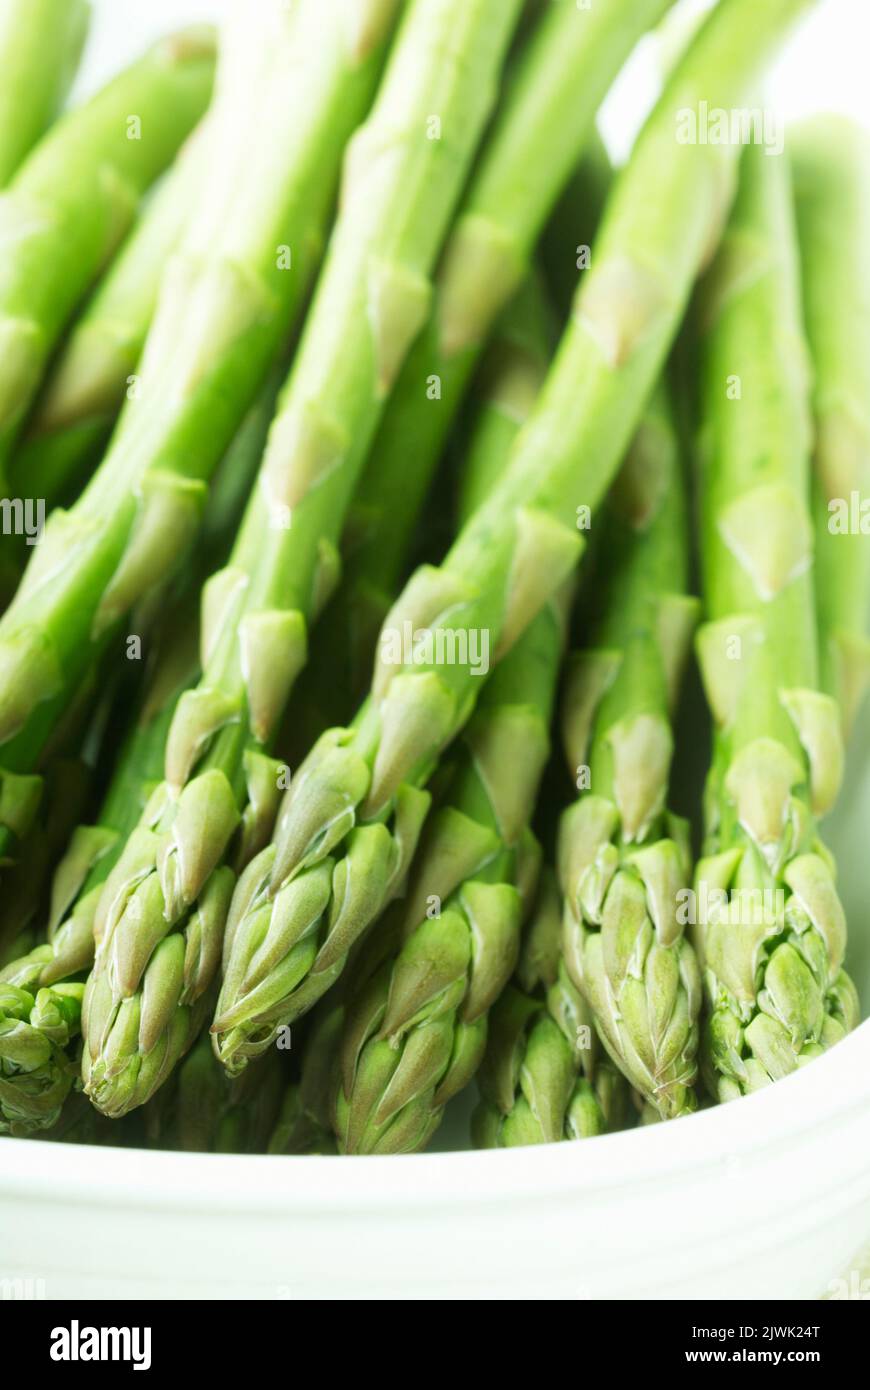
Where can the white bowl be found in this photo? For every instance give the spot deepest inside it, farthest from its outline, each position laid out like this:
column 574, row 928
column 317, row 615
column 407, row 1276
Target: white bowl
column 768, row 1197
column 765, row 1198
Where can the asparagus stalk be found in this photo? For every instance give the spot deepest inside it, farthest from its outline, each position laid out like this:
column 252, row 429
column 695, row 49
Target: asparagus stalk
column 771, row 930
column 543, row 128
column 338, row 671
column 293, row 83
column 353, row 810
column 76, row 411
column 40, row 46
column 367, row 307
column 624, row 860
column 541, row 1079
column 831, row 163
column 43, row 992
column 73, row 199
column 416, row 1020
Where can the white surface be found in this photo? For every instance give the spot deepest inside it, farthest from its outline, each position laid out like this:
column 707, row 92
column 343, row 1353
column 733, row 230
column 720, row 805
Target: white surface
column 767, row 1198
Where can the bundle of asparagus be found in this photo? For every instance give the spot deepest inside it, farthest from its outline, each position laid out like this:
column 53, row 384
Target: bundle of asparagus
column 176, row 896
column 354, row 809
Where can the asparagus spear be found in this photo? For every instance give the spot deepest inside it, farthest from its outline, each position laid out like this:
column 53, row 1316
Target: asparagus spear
column 40, row 46
column 831, row 162
column 353, row 810
column 73, row 199
column 624, row 860
column 416, row 1020
column 43, row 992
column 542, row 129
column 367, row 307
column 541, row 1079
column 293, row 82
column 338, row 671
column 75, row 413
column 771, row 930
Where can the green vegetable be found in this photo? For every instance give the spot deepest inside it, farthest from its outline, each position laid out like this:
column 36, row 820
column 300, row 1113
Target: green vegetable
column 416, row 1019
column 94, row 371
column 41, row 995
column 38, row 1056
column 368, row 305
column 624, row 860
column 539, row 135
column 291, row 86
column 772, row 931
column 71, row 202
column 350, row 821
column 390, row 497
column 831, row 163
column 40, row 46
column 541, row 1079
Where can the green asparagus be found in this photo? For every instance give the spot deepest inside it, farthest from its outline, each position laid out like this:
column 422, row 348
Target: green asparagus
column 416, row 1020
column 389, row 499
column 41, row 995
column 831, row 163
column 624, row 860
column 543, row 128
column 339, row 667
column 73, row 199
column 38, row 1056
column 354, row 809
column 541, row 1078
column 74, row 415
column 293, row 82
column 40, row 45
column 771, row 929
column 369, row 303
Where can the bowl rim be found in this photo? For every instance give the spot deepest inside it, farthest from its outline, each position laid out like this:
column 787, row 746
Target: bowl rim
column 815, row 1099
